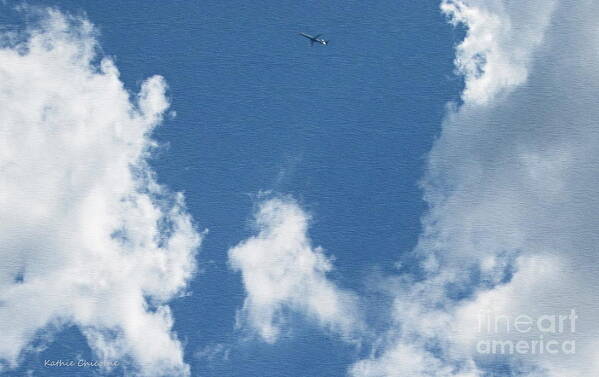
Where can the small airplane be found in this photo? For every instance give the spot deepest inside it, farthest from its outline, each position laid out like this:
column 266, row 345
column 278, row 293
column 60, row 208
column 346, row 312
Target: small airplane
column 316, row 39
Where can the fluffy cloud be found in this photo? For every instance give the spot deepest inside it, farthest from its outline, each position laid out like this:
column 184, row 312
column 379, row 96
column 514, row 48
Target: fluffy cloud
column 88, row 237
column 282, row 271
column 511, row 185
column 419, row 340
column 501, row 39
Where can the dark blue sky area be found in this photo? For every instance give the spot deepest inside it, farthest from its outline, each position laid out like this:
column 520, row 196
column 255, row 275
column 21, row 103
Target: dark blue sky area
column 344, row 129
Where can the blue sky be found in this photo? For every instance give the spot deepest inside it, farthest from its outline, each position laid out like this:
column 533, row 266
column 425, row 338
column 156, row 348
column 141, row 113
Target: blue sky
column 267, row 208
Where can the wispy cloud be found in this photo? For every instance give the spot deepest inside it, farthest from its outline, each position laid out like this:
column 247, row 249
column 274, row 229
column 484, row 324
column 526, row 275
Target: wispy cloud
column 88, row 237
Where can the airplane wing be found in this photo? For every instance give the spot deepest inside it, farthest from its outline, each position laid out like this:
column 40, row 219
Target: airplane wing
column 307, row 35
column 318, row 36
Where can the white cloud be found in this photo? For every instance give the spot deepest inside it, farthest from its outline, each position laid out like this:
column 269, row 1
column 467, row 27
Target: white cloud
column 88, row 237
column 408, row 359
column 282, row 271
column 418, row 342
column 511, row 185
column 501, row 38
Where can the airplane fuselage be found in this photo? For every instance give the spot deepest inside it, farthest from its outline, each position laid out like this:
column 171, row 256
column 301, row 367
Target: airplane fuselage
column 315, row 39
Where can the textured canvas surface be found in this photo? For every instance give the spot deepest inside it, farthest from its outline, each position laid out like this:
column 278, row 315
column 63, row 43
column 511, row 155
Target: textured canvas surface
column 192, row 189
